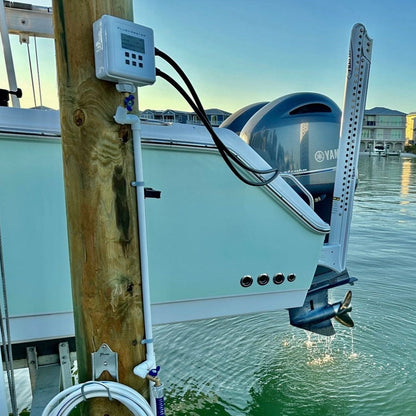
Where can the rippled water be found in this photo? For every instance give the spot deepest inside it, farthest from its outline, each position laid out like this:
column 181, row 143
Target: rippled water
column 260, row 365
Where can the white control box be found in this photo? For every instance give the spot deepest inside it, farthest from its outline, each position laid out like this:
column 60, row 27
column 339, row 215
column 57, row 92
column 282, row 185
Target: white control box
column 124, row 51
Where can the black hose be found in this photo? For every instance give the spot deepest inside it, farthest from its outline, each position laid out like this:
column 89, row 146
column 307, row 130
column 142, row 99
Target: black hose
column 224, row 151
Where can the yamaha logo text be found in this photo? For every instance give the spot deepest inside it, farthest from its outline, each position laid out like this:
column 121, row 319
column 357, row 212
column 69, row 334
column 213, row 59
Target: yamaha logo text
column 322, row 155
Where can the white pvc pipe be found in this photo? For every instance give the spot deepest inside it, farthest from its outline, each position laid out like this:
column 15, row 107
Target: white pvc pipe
column 8, row 55
column 122, row 117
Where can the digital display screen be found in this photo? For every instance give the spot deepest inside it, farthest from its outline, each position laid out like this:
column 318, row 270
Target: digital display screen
column 133, row 43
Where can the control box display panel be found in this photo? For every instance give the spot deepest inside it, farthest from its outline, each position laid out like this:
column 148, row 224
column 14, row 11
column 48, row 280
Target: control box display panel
column 124, row 51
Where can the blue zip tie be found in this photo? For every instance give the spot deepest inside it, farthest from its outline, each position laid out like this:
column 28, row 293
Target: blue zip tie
column 146, row 341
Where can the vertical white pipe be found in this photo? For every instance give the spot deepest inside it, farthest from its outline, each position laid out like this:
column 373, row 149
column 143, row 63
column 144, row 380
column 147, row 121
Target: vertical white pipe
column 138, row 166
column 8, row 55
column 143, row 368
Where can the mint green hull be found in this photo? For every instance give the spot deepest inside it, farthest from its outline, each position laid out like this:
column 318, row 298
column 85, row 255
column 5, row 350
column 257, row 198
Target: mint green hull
column 209, row 230
column 33, row 224
column 205, row 234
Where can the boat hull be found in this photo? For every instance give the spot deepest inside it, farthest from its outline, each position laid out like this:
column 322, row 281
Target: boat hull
column 206, row 233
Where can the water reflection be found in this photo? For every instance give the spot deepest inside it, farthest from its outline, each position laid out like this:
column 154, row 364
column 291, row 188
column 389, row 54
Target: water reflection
column 406, row 173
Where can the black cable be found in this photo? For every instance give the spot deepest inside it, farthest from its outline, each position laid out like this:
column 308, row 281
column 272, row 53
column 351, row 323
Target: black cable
column 217, row 140
column 215, row 137
column 185, row 79
column 224, row 151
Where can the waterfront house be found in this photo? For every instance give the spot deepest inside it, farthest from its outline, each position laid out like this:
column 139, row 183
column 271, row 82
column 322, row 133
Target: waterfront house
column 167, row 116
column 215, row 116
column 411, row 128
column 384, row 131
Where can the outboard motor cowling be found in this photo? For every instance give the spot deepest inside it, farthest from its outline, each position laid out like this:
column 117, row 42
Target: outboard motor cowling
column 236, row 121
column 299, row 134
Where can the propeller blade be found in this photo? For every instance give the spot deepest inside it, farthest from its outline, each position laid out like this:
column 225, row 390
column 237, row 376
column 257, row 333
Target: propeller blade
column 342, row 316
column 345, row 320
column 347, row 300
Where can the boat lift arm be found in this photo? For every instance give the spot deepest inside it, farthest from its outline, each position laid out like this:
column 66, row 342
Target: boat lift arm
column 334, row 253
column 23, row 20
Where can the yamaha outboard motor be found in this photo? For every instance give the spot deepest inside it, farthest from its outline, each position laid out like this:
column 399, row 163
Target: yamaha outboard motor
column 299, row 134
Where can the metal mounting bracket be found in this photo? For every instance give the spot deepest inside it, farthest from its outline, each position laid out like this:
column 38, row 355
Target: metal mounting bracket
column 104, row 359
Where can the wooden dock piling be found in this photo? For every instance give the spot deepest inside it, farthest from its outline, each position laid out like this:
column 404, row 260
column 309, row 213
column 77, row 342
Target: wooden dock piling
column 100, row 202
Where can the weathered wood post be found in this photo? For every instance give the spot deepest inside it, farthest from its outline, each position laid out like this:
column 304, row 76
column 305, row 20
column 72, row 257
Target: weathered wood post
column 100, row 202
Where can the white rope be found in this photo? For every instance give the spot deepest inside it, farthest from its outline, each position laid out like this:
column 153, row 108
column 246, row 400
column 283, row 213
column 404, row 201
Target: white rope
column 63, row 403
column 38, row 72
column 31, row 72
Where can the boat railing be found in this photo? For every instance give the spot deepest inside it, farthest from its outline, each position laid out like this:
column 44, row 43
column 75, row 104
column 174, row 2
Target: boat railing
column 288, row 177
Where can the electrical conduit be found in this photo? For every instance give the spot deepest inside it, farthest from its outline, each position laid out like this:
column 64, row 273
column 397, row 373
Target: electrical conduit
column 122, row 117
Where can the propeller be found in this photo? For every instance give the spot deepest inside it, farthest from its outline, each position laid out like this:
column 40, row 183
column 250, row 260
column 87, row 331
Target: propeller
column 342, row 315
column 316, row 313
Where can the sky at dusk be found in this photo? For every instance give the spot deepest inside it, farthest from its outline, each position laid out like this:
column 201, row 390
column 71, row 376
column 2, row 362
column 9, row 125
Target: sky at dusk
column 241, row 52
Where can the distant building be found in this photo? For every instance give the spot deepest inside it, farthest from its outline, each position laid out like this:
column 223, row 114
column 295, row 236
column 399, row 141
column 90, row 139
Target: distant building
column 411, row 128
column 167, row 116
column 383, row 130
column 413, row 141
column 215, row 116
